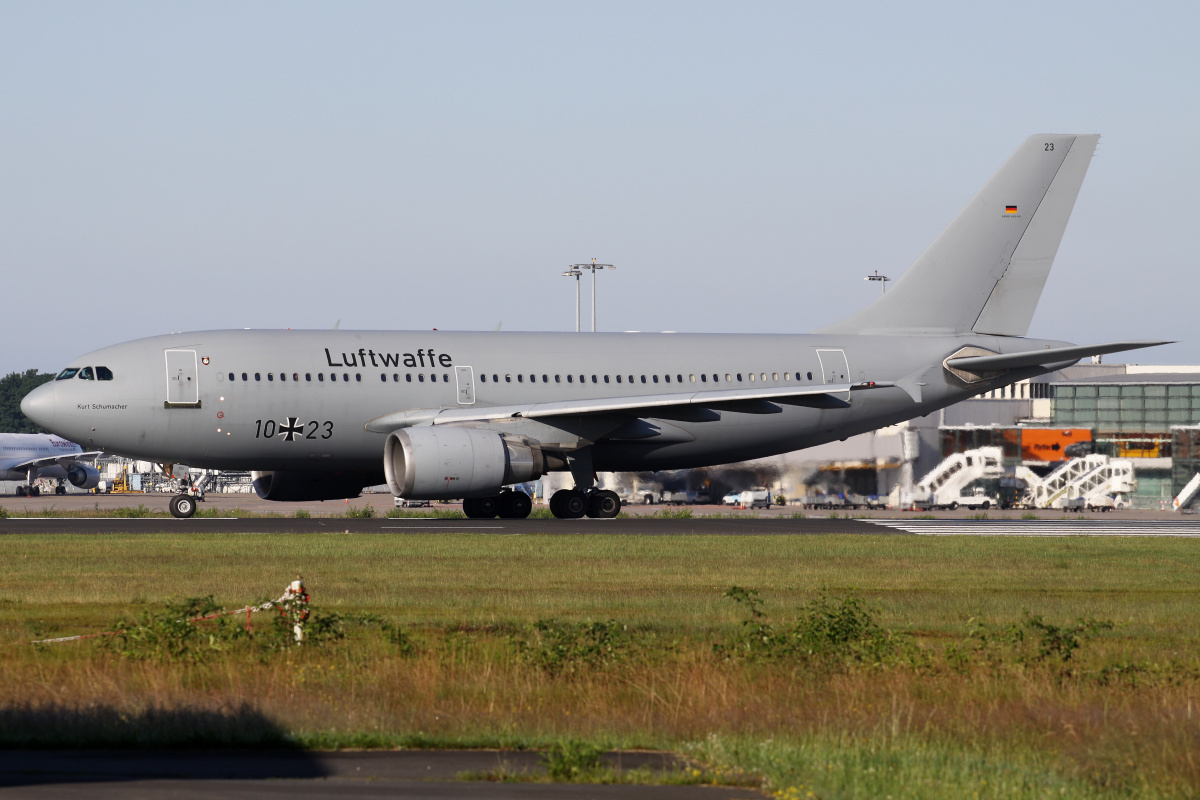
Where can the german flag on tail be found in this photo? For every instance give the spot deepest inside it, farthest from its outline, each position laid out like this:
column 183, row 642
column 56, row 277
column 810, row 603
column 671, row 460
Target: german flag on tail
column 1010, row 209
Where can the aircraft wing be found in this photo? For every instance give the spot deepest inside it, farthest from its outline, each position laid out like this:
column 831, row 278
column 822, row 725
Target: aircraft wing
column 1038, row 358
column 829, row 395
column 18, row 464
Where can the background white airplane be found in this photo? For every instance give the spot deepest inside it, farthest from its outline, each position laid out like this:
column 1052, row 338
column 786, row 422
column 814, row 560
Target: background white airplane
column 29, row 456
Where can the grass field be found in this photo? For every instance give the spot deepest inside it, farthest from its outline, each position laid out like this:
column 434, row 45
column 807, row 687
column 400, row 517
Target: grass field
column 964, row 670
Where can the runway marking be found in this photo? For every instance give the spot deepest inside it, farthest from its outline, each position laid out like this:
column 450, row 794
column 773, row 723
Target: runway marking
column 954, row 527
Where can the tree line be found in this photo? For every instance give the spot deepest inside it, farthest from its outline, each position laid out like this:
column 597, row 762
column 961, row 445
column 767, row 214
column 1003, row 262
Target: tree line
column 13, row 388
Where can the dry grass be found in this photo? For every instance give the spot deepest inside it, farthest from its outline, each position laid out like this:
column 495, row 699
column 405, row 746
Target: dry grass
column 1123, row 716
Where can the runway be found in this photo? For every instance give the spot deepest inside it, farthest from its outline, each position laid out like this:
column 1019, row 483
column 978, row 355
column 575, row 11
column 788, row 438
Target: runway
column 1188, row 529
column 632, row 526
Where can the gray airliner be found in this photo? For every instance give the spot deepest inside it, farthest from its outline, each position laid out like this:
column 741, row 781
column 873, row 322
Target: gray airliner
column 444, row 415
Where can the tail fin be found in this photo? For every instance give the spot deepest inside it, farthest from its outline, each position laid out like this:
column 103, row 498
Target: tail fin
column 985, row 272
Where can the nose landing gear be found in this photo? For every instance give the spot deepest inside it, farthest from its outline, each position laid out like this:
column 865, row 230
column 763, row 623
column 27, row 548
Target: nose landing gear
column 183, row 506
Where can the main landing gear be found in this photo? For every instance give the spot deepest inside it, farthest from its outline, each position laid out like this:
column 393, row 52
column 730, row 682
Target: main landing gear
column 506, row 505
column 28, row 491
column 573, row 504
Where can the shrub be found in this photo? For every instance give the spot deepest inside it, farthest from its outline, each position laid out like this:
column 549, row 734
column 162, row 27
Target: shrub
column 170, row 634
column 302, row 513
column 571, row 760
column 563, row 647
column 826, row 628
column 360, row 512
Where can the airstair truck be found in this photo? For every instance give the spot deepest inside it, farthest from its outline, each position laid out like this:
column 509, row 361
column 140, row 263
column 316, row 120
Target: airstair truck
column 1189, row 493
column 946, row 484
column 1094, row 482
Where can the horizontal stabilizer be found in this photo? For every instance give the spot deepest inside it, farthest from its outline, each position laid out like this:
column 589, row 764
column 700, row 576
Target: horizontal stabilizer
column 1038, row 358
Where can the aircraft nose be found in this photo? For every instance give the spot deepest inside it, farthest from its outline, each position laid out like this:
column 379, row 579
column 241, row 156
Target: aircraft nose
column 38, row 405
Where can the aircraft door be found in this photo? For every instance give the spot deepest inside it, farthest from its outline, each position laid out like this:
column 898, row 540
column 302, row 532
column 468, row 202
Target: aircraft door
column 834, row 368
column 466, row 385
column 183, row 390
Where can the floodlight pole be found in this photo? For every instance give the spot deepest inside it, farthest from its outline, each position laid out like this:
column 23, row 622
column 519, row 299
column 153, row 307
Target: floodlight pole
column 593, row 266
column 572, row 272
column 883, row 279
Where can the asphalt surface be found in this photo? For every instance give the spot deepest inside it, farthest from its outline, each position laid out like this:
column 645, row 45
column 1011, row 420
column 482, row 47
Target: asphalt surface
column 1186, row 527
column 629, row 527
column 265, row 775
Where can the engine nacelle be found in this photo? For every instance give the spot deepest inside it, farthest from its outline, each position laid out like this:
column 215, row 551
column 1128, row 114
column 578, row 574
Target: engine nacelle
column 300, row 485
column 82, row 476
column 446, row 463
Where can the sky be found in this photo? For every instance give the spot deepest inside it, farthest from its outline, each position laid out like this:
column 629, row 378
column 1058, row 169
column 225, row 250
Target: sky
column 172, row 166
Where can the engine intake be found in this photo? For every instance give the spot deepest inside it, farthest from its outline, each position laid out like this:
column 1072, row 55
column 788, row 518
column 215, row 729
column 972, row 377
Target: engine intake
column 83, row 477
column 445, row 463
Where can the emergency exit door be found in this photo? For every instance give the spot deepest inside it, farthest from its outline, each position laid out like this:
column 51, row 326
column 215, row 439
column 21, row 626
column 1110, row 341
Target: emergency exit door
column 834, row 368
column 183, row 389
column 466, row 385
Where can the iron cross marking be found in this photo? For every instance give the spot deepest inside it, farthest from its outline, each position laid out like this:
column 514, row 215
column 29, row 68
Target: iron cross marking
column 290, row 431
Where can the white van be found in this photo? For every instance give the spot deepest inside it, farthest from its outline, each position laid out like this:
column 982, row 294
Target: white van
column 755, row 498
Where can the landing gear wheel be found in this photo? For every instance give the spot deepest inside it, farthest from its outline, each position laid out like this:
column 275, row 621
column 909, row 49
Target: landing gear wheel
column 604, row 505
column 487, row 507
column 515, row 505
column 568, row 504
column 60, row 490
column 21, row 491
column 183, row 506
column 472, row 510
column 34, row 491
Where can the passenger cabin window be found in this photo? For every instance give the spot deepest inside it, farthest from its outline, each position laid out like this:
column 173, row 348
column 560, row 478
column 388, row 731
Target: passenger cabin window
column 321, row 376
column 86, row 374
column 231, row 376
column 105, row 374
column 258, row 376
column 67, row 374
column 270, row 376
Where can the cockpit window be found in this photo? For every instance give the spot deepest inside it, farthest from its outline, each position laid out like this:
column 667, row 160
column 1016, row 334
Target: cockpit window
column 87, row 374
column 67, row 373
column 103, row 374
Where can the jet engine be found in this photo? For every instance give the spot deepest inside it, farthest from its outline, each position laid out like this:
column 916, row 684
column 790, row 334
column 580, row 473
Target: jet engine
column 446, row 463
column 83, row 477
column 299, row 485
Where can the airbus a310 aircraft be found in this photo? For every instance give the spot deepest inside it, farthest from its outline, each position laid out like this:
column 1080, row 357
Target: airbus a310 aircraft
column 440, row 415
column 29, row 456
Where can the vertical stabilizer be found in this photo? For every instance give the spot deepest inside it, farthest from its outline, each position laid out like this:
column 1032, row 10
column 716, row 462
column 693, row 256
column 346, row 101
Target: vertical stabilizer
column 986, row 270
